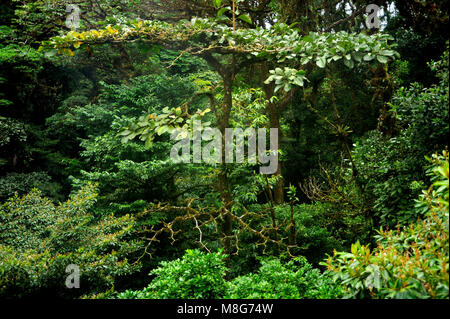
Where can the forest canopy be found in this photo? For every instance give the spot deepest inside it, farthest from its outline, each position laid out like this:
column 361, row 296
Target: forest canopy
column 313, row 139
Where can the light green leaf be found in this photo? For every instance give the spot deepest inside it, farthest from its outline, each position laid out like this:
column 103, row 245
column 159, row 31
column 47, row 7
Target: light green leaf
column 51, row 53
column 349, row 63
column 217, row 3
column 382, row 59
column 245, row 18
column 222, row 11
column 321, row 62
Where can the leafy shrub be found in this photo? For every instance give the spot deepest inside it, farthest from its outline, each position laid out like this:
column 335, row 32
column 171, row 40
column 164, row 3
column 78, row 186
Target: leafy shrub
column 294, row 279
column 38, row 240
column 412, row 262
column 24, row 182
column 392, row 168
column 11, row 131
column 392, row 171
column 315, row 229
column 196, row 275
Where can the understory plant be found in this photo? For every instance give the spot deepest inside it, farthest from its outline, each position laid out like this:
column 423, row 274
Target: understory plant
column 410, row 261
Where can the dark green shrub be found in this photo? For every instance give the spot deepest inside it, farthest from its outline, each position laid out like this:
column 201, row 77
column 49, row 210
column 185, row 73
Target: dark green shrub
column 392, row 168
column 23, row 183
column 196, row 275
column 294, row 279
column 38, row 240
column 316, row 230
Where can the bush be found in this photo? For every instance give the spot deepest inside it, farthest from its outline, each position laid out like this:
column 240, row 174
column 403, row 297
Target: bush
column 38, row 240
column 295, row 279
column 412, row 262
column 23, row 183
column 392, row 168
column 196, row 275
column 316, row 231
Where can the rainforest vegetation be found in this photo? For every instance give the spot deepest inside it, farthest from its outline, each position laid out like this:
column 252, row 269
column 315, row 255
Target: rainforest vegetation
column 93, row 205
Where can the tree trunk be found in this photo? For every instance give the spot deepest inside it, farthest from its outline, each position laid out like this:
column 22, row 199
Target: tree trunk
column 227, row 223
column 278, row 193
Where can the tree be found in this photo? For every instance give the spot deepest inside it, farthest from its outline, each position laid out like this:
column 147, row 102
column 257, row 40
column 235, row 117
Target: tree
column 227, row 51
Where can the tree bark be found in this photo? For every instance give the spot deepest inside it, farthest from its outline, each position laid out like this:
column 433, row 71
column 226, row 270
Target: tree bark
column 227, row 223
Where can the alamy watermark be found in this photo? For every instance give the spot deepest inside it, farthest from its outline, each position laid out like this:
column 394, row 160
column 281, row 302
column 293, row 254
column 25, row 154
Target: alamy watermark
column 373, row 280
column 232, row 144
column 372, row 20
column 73, row 279
column 73, row 19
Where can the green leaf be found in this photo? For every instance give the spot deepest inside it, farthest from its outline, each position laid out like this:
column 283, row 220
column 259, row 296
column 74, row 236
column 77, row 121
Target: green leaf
column 357, row 56
column 161, row 130
column 124, row 133
column 299, row 81
column 245, row 18
column 349, row 63
column 269, row 79
column 148, row 143
column 222, row 11
column 387, row 52
column 287, row 87
column 51, row 53
column 369, row 57
column 217, row 3
column 382, row 59
column 321, row 62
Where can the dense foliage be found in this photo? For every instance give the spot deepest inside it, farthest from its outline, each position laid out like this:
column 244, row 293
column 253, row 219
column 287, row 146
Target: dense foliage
column 200, row 275
column 196, row 275
column 409, row 262
column 40, row 239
